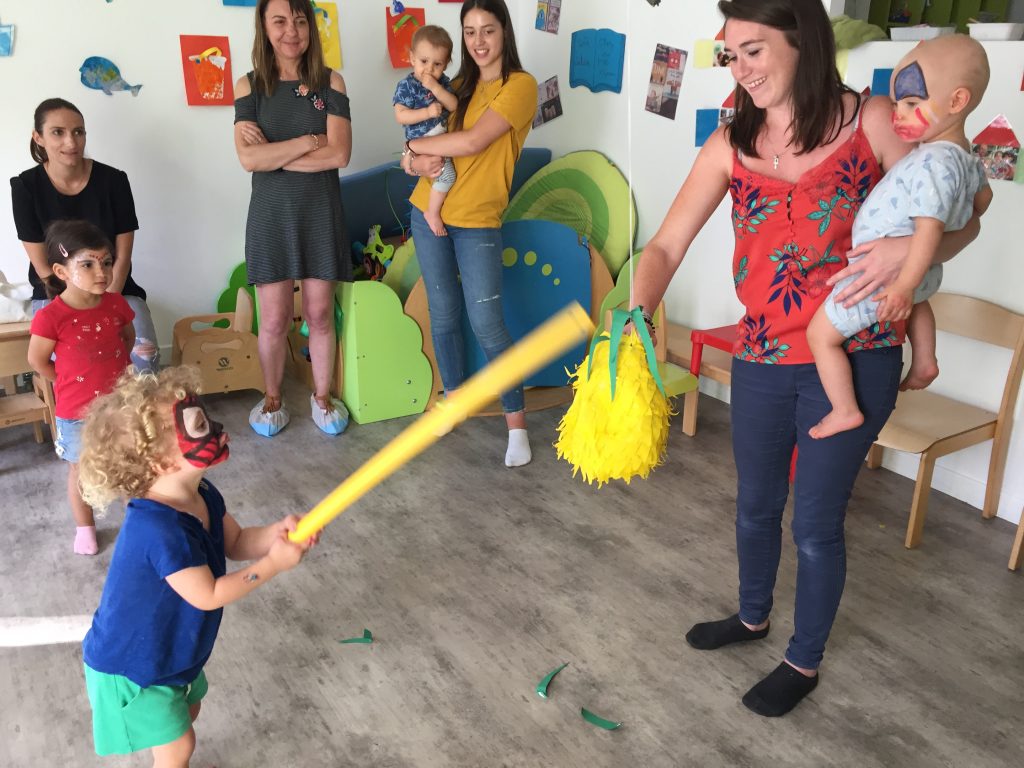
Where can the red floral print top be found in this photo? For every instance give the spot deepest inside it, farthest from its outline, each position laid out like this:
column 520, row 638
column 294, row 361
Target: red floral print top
column 790, row 238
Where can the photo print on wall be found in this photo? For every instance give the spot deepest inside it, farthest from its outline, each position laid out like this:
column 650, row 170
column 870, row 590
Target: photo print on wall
column 548, row 15
column 549, row 102
column 666, row 81
column 998, row 147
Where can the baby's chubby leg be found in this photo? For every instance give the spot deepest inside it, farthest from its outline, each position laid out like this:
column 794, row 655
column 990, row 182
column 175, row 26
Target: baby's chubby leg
column 924, row 366
column 433, row 212
column 836, row 376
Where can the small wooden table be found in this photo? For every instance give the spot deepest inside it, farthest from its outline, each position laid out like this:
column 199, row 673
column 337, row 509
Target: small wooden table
column 27, row 408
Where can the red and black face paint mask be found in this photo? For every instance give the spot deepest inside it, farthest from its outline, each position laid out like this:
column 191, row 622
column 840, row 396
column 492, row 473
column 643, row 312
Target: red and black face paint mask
column 203, row 442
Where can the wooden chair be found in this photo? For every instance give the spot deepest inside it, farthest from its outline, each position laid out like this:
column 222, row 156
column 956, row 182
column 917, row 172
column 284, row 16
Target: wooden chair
column 25, row 408
column 227, row 358
column 1017, row 553
column 713, row 361
column 934, row 426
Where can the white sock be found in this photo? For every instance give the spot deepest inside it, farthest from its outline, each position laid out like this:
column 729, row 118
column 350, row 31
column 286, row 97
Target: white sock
column 518, row 452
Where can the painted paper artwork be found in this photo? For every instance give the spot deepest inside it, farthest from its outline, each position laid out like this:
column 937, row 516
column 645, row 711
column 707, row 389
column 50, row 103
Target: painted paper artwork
column 206, row 65
column 666, row 81
column 330, row 33
column 880, row 79
column 596, row 59
column 549, row 102
column 400, row 29
column 999, row 148
column 6, row 39
column 709, row 53
column 548, row 15
column 102, row 74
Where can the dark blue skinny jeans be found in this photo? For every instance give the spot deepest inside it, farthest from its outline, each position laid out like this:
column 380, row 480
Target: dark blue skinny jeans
column 773, row 407
column 474, row 254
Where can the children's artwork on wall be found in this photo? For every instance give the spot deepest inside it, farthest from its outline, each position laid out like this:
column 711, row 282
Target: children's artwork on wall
column 206, row 65
column 400, row 29
column 102, row 74
column 548, row 15
column 880, row 82
column 6, row 39
column 246, row 3
column 666, row 81
column 549, row 102
column 596, row 59
column 998, row 148
column 709, row 53
column 330, row 33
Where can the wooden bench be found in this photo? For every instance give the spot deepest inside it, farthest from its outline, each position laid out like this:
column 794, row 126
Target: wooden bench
column 714, row 364
column 27, row 408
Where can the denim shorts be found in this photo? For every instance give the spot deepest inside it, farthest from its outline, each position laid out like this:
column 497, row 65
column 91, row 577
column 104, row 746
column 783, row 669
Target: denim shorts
column 69, row 439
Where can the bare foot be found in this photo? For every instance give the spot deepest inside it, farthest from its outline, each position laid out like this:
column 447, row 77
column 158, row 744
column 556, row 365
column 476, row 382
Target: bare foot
column 435, row 223
column 920, row 375
column 836, row 422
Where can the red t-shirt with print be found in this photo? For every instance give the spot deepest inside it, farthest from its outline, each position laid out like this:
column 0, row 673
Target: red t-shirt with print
column 790, row 238
column 90, row 349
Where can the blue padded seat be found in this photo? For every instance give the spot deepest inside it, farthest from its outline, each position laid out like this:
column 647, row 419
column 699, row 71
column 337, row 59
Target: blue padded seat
column 380, row 195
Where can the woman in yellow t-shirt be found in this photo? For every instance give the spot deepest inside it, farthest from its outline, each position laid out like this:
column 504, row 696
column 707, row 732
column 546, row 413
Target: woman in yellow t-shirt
column 497, row 102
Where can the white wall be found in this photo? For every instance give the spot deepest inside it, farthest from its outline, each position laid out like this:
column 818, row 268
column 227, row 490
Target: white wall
column 192, row 195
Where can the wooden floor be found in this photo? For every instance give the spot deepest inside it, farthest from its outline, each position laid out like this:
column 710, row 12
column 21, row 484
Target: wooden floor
column 476, row 580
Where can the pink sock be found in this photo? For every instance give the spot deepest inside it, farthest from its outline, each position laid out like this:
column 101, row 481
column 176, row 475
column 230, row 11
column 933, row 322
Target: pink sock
column 85, row 540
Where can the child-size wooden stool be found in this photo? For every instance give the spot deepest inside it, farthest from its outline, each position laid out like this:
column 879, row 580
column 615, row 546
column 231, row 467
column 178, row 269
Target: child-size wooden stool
column 227, row 358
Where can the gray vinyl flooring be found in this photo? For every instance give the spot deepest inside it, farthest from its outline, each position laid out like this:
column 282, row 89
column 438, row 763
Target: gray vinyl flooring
column 477, row 580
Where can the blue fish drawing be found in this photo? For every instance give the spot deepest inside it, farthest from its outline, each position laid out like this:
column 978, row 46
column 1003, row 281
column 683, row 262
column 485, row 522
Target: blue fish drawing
column 103, row 75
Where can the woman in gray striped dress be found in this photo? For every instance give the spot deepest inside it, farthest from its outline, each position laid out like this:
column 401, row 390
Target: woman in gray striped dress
column 293, row 131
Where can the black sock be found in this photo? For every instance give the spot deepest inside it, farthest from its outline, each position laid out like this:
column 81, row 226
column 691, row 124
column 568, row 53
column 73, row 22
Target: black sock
column 778, row 693
column 715, row 634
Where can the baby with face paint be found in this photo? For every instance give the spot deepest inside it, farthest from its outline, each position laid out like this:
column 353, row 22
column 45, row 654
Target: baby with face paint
column 937, row 187
column 150, row 442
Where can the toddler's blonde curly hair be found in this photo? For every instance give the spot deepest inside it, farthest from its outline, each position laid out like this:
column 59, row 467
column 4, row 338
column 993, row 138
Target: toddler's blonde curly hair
column 128, row 435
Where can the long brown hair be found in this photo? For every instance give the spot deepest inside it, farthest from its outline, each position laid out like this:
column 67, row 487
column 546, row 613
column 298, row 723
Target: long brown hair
column 469, row 72
column 312, row 71
column 818, row 115
column 44, row 109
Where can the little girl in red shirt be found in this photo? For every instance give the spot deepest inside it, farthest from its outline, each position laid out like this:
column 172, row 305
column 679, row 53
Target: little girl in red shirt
column 81, row 341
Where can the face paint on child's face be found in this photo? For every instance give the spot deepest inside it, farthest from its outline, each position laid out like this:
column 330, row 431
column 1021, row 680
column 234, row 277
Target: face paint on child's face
column 88, row 270
column 203, row 442
column 913, row 115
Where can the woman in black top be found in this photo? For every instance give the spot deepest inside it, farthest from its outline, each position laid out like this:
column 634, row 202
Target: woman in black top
column 64, row 184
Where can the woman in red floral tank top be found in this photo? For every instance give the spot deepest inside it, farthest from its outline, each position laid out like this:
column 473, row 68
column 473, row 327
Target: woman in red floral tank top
column 799, row 158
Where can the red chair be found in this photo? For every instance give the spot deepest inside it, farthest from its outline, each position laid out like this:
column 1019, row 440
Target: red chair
column 723, row 338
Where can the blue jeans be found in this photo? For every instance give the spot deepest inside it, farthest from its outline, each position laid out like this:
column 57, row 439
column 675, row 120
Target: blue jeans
column 773, row 407
column 145, row 354
column 474, row 254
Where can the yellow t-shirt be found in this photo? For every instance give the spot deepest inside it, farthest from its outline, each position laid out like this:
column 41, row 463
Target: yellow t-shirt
column 480, row 195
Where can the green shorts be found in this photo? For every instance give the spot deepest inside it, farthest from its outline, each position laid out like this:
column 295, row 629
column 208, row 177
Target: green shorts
column 127, row 717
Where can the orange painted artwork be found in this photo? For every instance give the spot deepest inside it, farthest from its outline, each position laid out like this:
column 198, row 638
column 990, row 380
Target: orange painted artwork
column 400, row 28
column 206, row 65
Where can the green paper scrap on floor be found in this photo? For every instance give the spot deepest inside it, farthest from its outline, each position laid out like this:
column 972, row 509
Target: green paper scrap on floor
column 366, row 638
column 542, row 686
column 600, row 722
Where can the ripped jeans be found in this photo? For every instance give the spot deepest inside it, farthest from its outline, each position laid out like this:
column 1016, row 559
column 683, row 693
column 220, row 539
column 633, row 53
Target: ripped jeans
column 474, row 254
column 146, row 352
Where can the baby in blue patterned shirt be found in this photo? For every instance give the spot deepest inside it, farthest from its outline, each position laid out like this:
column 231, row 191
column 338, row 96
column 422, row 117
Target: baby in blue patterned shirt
column 936, row 188
column 423, row 101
